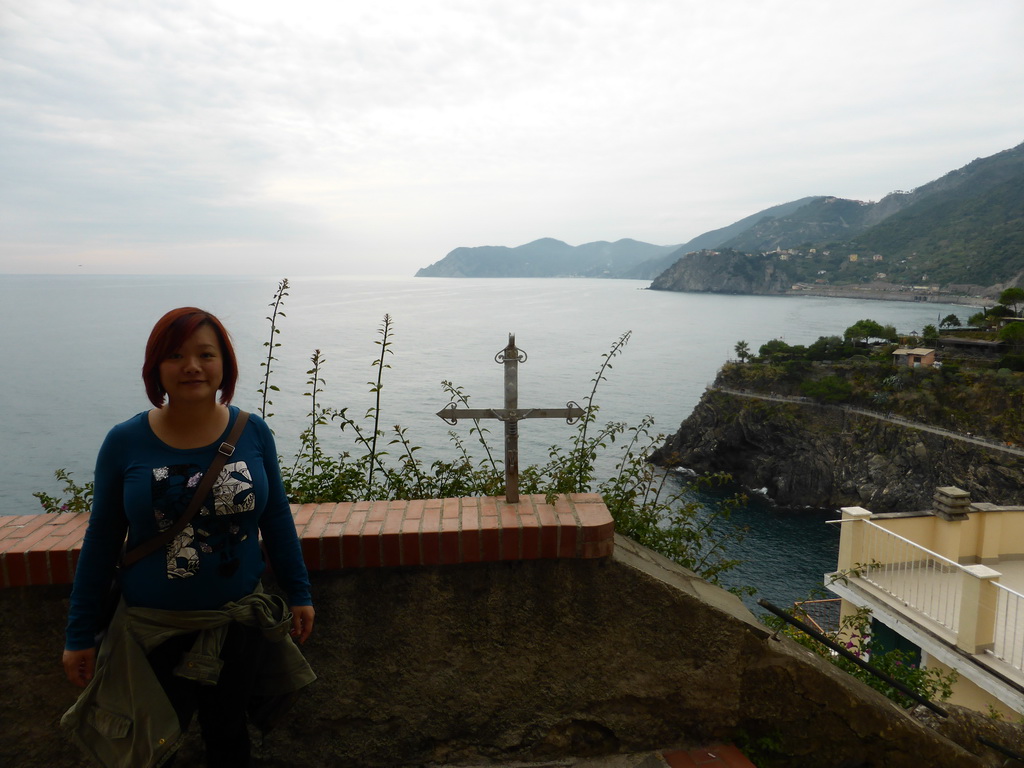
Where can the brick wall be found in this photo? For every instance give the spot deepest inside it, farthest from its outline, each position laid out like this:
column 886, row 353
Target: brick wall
column 43, row 549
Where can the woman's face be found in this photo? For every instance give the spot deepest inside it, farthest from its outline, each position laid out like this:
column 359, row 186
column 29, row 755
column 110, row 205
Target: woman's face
column 194, row 372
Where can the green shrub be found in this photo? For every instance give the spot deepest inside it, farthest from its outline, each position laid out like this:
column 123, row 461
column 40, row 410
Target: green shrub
column 854, row 634
column 830, row 389
column 78, row 496
column 1011, row 362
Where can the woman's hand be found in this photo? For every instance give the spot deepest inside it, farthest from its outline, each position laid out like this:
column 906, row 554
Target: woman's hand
column 79, row 666
column 302, row 621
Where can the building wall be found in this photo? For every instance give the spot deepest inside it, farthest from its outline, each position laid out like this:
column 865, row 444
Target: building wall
column 967, row 694
column 984, row 537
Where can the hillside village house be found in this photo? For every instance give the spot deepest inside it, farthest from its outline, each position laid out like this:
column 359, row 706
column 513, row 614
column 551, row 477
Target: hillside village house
column 947, row 585
column 919, row 357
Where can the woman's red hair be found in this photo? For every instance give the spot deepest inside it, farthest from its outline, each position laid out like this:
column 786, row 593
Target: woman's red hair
column 167, row 336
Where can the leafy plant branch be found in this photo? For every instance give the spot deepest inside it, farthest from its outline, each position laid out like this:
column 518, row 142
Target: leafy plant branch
column 271, row 345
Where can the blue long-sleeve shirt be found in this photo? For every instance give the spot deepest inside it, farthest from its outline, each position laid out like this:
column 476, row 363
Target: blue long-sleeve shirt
column 144, row 483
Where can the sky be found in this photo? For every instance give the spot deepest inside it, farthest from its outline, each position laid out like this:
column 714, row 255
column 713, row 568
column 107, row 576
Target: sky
column 331, row 137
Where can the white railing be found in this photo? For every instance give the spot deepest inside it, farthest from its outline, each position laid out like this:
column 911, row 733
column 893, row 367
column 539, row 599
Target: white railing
column 921, row 579
column 1009, row 634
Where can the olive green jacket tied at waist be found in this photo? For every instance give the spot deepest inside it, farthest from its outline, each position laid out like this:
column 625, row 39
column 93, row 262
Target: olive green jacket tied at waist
column 123, row 718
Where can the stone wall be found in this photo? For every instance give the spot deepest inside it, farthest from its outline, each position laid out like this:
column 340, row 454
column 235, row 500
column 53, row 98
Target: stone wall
column 525, row 658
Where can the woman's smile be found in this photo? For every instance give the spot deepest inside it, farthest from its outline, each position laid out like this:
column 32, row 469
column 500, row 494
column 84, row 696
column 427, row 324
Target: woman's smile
column 196, row 369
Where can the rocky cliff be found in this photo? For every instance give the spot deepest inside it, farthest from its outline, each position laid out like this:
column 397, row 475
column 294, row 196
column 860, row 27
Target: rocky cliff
column 725, row 272
column 808, row 455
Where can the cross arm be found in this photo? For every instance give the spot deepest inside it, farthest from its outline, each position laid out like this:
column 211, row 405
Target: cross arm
column 570, row 413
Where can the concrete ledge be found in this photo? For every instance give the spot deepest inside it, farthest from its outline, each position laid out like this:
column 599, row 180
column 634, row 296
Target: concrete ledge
column 43, row 549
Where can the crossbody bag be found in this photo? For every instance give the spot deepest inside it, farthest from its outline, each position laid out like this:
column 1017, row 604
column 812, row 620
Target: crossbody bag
column 132, row 556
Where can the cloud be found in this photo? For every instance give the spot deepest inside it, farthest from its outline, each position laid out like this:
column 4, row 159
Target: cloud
column 378, row 137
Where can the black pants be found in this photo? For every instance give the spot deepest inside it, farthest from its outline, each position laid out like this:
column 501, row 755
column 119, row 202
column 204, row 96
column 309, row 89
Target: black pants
column 221, row 707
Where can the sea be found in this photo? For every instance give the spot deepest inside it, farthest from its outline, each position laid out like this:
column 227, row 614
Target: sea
column 73, row 348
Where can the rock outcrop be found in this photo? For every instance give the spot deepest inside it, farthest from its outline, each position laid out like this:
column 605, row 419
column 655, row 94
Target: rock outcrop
column 725, row 272
column 808, row 455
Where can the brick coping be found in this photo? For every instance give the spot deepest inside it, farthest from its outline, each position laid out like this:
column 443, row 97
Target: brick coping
column 44, row 548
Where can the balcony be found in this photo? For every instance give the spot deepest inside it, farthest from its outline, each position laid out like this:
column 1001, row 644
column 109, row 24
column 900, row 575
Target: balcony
column 950, row 582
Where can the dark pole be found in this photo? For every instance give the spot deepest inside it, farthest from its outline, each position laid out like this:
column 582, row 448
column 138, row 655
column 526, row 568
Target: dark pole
column 511, row 362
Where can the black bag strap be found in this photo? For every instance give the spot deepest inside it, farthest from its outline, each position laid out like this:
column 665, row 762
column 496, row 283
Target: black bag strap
column 223, row 452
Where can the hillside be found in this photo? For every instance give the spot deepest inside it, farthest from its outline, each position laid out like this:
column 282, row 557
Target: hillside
column 962, row 232
column 716, row 237
column 977, row 239
column 547, row 257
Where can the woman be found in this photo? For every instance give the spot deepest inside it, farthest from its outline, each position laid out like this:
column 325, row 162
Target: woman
column 203, row 585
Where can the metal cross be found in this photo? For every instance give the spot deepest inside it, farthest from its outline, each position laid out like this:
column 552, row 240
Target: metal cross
column 510, row 357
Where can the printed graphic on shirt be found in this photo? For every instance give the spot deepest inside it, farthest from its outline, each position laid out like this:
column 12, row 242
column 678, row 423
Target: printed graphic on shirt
column 215, row 529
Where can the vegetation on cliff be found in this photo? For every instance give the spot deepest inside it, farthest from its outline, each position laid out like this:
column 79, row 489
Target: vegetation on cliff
column 977, row 398
column 840, row 423
column 726, row 271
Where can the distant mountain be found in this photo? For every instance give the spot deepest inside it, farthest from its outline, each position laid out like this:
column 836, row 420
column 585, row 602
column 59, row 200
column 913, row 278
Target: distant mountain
column 546, row 258
column 963, row 231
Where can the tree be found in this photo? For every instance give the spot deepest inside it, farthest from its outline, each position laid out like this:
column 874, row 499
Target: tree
column 742, row 351
column 950, row 321
column 978, row 320
column 1012, row 298
column 829, row 348
column 775, row 347
column 1013, row 334
column 863, row 330
column 930, row 333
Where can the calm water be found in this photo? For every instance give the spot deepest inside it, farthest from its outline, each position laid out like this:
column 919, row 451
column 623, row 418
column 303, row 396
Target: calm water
column 72, row 350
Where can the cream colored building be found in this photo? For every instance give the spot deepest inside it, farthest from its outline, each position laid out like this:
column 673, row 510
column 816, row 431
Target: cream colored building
column 919, row 357
column 948, row 582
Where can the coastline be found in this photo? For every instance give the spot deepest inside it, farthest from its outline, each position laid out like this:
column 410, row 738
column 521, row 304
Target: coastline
column 893, row 293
